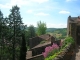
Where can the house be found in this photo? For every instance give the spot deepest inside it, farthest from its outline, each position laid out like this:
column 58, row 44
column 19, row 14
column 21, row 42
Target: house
column 38, row 44
column 73, row 28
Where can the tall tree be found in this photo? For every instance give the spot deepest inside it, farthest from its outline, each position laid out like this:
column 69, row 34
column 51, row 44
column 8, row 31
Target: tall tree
column 1, row 22
column 31, row 31
column 41, row 28
column 23, row 48
column 5, row 28
column 15, row 21
column 1, row 19
column 3, row 36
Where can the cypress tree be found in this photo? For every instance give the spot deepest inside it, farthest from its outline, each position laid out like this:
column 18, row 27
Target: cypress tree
column 23, row 48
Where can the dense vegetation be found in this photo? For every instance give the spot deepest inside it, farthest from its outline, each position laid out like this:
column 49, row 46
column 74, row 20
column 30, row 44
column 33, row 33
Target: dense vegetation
column 41, row 28
column 10, row 33
column 14, row 35
column 51, row 52
column 59, row 33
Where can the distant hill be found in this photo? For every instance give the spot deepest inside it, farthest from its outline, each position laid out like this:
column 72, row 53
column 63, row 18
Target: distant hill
column 51, row 29
column 59, row 33
column 55, row 29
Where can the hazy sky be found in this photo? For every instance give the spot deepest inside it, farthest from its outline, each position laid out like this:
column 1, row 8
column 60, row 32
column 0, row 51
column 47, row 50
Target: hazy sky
column 53, row 12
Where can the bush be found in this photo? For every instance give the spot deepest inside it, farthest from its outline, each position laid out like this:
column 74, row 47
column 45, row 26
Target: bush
column 53, row 51
column 50, row 50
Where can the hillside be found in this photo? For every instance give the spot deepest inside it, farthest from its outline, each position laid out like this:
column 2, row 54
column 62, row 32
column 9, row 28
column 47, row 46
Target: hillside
column 59, row 33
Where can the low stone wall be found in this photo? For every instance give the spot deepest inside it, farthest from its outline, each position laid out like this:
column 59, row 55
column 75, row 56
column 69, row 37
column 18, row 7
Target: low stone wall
column 66, row 54
column 34, row 41
column 39, row 50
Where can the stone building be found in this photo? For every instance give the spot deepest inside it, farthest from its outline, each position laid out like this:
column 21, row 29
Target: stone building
column 38, row 44
column 73, row 28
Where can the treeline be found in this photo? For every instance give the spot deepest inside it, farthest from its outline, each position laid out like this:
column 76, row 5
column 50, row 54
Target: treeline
column 59, row 33
column 14, row 36
column 11, row 30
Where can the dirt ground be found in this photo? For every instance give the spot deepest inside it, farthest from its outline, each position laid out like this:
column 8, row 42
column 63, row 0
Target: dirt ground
column 76, row 55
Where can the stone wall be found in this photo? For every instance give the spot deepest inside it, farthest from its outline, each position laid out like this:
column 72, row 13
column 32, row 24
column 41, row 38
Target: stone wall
column 66, row 54
column 39, row 50
column 34, row 41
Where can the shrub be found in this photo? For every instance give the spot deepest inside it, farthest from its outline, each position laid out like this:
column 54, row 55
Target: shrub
column 69, row 40
column 50, row 50
column 53, row 51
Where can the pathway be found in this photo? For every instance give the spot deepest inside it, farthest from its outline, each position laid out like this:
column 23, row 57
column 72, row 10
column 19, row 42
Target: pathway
column 77, row 53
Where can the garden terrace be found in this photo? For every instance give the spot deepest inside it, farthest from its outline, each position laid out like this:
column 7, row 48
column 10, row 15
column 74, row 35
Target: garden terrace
column 64, row 52
column 42, row 41
column 39, row 48
column 39, row 39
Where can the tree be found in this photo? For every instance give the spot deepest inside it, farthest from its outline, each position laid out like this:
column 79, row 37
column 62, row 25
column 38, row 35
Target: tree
column 5, row 28
column 1, row 22
column 23, row 48
column 31, row 31
column 1, row 19
column 15, row 22
column 41, row 28
column 3, row 35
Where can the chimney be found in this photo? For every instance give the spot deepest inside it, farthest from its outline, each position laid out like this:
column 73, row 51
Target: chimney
column 69, row 16
column 79, row 17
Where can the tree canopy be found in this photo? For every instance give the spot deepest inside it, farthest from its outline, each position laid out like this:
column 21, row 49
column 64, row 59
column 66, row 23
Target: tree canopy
column 41, row 28
column 31, row 31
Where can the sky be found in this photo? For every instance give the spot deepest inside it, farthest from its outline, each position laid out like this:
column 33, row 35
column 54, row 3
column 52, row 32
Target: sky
column 52, row 12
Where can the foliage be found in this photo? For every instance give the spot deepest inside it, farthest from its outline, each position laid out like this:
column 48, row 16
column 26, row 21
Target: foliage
column 51, row 30
column 41, row 28
column 54, row 53
column 67, row 41
column 50, row 50
column 27, row 36
column 10, row 46
column 15, row 20
column 59, row 33
column 23, row 48
column 31, row 31
column 1, row 19
column 4, row 28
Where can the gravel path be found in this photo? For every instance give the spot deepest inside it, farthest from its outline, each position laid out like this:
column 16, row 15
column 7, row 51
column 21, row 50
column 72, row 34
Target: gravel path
column 76, row 55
